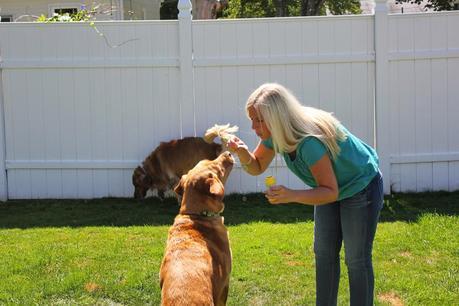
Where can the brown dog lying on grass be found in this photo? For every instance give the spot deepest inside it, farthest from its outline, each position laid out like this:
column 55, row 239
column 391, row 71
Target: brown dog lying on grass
column 162, row 169
column 197, row 261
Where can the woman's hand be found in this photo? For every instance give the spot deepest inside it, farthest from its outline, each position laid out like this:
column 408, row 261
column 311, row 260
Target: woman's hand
column 253, row 163
column 279, row 194
column 235, row 144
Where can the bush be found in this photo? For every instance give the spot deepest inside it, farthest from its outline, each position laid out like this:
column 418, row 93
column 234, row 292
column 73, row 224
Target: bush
column 83, row 14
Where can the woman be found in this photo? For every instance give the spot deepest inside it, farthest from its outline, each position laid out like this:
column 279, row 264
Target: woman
column 347, row 187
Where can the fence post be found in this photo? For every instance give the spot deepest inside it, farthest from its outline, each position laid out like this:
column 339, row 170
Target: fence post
column 187, row 117
column 3, row 179
column 382, row 108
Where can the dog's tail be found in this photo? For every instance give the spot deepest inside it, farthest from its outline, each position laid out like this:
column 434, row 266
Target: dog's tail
column 222, row 131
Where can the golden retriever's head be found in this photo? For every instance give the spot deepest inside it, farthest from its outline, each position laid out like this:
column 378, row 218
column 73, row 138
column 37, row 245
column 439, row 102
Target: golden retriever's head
column 141, row 181
column 202, row 188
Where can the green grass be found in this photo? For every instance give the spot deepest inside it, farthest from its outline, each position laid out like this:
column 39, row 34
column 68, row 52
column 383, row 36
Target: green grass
column 108, row 252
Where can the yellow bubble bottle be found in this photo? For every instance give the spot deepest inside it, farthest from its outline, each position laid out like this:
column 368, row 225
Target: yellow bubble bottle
column 270, row 181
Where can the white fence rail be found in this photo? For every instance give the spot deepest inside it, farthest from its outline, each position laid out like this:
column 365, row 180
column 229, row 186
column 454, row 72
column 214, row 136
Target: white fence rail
column 79, row 115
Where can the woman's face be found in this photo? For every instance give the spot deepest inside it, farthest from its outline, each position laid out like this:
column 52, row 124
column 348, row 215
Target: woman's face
column 258, row 124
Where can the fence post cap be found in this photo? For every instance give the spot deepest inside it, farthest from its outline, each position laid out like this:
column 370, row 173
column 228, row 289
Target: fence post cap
column 381, row 5
column 184, row 7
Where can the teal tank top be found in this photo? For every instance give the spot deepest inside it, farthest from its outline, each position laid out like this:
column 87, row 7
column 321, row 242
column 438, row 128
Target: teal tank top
column 354, row 167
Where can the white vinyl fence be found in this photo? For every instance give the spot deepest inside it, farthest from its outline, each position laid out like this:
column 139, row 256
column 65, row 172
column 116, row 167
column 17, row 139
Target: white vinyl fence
column 421, row 111
column 79, row 115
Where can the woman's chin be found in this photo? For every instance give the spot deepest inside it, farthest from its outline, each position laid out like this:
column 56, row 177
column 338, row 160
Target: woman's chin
column 263, row 137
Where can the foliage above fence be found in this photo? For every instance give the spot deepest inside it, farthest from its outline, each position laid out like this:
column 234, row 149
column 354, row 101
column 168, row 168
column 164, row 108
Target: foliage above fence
column 83, row 15
column 289, row 8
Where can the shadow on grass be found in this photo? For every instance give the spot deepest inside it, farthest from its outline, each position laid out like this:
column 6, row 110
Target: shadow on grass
column 122, row 212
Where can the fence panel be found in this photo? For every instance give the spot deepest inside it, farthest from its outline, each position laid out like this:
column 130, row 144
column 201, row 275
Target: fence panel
column 83, row 113
column 327, row 62
column 424, row 104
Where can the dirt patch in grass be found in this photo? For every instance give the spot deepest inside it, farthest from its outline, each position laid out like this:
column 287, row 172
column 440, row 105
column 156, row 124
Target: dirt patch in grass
column 91, row 287
column 406, row 254
column 295, row 263
column 390, row 298
column 290, row 259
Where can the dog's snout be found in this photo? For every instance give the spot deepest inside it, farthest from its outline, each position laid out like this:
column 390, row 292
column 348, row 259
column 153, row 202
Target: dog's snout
column 229, row 156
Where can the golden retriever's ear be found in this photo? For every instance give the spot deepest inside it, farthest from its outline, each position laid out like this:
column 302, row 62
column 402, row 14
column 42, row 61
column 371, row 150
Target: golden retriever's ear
column 179, row 188
column 215, row 188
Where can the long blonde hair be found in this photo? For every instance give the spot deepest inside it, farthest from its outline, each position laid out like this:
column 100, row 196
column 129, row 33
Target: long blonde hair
column 290, row 122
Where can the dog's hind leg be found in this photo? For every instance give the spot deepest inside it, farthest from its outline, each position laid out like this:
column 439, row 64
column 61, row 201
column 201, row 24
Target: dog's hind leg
column 161, row 194
column 173, row 181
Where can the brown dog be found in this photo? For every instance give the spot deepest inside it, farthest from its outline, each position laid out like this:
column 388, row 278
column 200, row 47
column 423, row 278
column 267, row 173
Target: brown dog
column 162, row 169
column 197, row 261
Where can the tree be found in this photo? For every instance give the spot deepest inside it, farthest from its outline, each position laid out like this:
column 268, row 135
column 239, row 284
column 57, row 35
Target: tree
column 342, row 7
column 285, row 8
column 436, row 5
column 311, row 7
column 168, row 9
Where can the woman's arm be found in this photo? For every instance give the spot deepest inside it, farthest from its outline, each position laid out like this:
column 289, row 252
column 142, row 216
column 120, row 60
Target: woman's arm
column 253, row 163
column 326, row 191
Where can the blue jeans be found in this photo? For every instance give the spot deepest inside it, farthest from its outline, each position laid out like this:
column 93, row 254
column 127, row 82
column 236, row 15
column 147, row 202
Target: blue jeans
column 352, row 220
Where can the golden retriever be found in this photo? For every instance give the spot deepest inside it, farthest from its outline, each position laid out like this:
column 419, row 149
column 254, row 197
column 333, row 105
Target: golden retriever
column 196, row 265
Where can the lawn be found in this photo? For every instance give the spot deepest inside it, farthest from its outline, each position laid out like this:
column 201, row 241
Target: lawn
column 108, row 251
